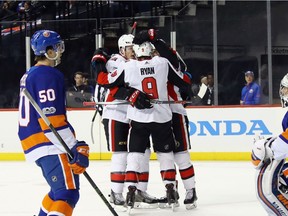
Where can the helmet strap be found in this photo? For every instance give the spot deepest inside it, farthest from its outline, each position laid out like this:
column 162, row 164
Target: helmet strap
column 55, row 59
column 122, row 51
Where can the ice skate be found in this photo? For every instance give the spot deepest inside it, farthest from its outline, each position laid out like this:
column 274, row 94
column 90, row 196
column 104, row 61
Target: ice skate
column 130, row 198
column 190, row 199
column 163, row 202
column 144, row 200
column 171, row 198
column 118, row 200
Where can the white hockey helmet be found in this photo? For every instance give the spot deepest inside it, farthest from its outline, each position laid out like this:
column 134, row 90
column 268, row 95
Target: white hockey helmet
column 261, row 152
column 283, row 91
column 125, row 40
column 145, row 49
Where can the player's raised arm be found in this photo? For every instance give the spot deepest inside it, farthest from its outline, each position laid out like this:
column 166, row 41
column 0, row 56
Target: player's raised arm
column 179, row 79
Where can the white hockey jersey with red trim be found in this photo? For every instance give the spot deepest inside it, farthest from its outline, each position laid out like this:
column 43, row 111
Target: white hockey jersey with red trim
column 174, row 95
column 115, row 112
column 151, row 77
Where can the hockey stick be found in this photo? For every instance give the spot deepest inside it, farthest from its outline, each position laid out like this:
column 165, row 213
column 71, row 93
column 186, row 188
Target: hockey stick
column 92, row 125
column 69, row 152
column 181, row 59
column 133, row 27
column 88, row 103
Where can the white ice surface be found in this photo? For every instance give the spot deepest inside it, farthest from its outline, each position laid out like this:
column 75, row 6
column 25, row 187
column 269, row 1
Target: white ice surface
column 223, row 188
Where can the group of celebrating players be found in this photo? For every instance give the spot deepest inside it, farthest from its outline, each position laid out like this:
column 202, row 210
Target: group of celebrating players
column 138, row 74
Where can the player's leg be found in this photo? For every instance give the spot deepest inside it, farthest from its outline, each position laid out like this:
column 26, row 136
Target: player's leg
column 142, row 198
column 116, row 135
column 182, row 158
column 137, row 143
column 267, row 188
column 163, row 141
column 144, row 172
column 64, row 193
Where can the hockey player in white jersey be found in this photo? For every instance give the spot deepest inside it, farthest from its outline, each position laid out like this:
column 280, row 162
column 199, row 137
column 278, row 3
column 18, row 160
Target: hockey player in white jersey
column 269, row 156
column 116, row 125
column 180, row 122
column 47, row 87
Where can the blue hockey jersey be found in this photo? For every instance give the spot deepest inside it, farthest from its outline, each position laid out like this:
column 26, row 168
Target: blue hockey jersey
column 46, row 86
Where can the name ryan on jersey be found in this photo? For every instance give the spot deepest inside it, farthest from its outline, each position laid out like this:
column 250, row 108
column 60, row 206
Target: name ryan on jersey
column 147, row 71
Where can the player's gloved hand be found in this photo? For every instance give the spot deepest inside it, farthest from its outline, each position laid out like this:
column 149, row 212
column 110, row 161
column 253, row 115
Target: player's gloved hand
column 262, row 152
column 80, row 160
column 100, row 55
column 140, row 100
column 144, row 36
column 99, row 60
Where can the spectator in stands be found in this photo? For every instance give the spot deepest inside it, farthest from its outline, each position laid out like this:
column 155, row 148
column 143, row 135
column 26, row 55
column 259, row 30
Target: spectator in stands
column 87, row 83
column 5, row 10
column 26, row 11
column 250, row 94
column 79, row 92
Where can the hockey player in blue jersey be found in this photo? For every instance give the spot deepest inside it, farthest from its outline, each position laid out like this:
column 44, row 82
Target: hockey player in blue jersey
column 46, row 85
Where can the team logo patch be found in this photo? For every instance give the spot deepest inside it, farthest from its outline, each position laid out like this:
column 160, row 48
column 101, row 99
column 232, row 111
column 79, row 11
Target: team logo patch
column 114, row 73
column 46, row 33
column 49, row 110
column 54, row 178
column 177, row 144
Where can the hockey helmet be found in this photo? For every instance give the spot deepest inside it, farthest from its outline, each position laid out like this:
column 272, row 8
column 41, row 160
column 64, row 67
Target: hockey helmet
column 283, row 91
column 45, row 38
column 145, row 49
column 125, row 40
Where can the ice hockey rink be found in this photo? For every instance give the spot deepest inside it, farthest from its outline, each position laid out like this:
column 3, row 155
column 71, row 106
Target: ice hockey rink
column 223, row 188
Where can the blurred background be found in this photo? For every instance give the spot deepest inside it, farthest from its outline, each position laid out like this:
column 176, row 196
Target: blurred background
column 225, row 38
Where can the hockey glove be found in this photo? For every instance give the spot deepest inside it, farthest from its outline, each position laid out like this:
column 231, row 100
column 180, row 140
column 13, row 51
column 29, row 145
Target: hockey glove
column 98, row 61
column 140, row 100
column 144, row 36
column 188, row 74
column 80, row 160
column 262, row 152
column 100, row 55
column 137, row 98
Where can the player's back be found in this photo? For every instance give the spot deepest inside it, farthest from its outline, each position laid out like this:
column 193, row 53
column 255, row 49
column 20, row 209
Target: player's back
column 149, row 76
column 46, row 86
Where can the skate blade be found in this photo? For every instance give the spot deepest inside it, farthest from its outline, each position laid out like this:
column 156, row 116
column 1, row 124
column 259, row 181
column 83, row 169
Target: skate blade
column 142, row 205
column 191, row 206
column 163, row 205
column 129, row 210
column 166, row 205
column 174, row 206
